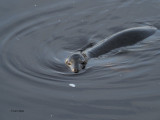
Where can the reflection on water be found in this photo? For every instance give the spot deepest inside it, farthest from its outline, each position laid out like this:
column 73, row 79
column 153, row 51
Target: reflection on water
column 37, row 36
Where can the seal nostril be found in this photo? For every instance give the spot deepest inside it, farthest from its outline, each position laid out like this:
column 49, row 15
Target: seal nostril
column 75, row 70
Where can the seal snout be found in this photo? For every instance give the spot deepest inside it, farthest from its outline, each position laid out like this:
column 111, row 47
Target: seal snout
column 75, row 70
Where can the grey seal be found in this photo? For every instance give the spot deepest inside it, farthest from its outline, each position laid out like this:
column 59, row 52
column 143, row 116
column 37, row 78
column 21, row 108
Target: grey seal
column 78, row 60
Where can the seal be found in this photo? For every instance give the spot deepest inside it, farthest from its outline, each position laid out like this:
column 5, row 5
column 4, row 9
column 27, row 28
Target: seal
column 78, row 60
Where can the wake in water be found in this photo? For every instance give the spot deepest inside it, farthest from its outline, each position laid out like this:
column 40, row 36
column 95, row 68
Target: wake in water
column 35, row 41
column 78, row 61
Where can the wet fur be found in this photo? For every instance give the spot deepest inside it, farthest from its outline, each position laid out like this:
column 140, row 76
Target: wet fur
column 120, row 39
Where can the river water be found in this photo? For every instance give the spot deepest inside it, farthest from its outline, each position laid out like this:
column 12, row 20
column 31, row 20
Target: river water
column 37, row 35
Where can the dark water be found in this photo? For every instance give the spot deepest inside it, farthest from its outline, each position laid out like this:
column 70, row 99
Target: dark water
column 37, row 35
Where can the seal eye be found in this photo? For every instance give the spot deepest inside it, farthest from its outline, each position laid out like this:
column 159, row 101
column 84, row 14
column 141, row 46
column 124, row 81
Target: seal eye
column 83, row 66
column 68, row 63
column 83, row 62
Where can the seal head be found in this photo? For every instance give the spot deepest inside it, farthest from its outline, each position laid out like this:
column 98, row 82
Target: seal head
column 76, row 62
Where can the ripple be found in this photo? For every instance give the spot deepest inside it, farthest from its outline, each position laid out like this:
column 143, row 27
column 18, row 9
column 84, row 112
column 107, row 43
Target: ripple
column 25, row 52
column 121, row 84
column 36, row 45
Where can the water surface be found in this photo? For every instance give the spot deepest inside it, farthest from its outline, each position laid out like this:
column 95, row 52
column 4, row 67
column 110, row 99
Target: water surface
column 35, row 38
